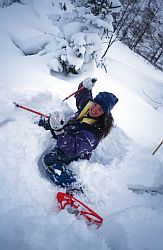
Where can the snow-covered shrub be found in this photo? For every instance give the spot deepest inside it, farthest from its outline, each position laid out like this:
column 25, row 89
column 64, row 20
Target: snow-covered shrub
column 99, row 7
column 82, row 32
column 4, row 3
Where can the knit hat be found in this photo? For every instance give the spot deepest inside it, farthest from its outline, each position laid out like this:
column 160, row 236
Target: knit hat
column 106, row 101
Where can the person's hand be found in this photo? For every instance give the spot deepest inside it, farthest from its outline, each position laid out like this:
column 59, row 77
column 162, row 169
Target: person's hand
column 57, row 121
column 89, row 82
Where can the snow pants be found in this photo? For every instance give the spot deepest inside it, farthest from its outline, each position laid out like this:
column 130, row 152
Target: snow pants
column 55, row 164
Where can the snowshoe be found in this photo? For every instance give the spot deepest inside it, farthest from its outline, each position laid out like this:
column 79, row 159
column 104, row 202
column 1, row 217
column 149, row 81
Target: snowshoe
column 78, row 208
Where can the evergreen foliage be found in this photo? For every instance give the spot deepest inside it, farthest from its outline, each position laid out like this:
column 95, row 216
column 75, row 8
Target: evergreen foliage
column 82, row 32
column 5, row 3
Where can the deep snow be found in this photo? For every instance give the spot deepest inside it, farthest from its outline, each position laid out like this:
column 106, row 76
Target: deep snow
column 27, row 212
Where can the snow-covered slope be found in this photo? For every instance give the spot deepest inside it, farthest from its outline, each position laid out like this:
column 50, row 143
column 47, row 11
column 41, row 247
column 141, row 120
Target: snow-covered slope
column 27, row 200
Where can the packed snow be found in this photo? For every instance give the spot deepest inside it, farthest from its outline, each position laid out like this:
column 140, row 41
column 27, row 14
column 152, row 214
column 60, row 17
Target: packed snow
column 28, row 214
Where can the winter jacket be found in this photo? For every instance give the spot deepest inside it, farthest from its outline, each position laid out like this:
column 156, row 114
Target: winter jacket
column 80, row 135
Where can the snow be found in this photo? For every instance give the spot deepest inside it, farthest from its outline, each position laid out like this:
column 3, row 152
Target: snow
column 55, row 65
column 29, row 220
column 32, row 45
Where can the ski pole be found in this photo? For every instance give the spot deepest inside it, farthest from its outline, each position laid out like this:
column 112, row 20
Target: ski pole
column 30, row 110
column 157, row 147
column 77, row 91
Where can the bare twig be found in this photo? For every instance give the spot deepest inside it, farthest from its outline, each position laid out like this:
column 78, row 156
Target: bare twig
column 160, row 104
column 157, row 147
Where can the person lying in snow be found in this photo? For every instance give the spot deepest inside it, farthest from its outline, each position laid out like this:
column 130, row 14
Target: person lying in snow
column 80, row 135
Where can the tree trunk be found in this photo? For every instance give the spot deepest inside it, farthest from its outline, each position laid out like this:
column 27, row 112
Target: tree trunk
column 158, row 56
column 146, row 28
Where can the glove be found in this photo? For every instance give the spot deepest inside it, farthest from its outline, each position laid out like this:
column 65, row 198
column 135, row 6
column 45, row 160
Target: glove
column 41, row 122
column 89, row 82
column 57, row 122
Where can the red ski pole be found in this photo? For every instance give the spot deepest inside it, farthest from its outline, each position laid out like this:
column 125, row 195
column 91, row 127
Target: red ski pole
column 77, row 91
column 30, row 110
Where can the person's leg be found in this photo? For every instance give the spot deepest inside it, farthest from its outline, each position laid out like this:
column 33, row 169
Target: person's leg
column 55, row 166
column 62, row 176
column 50, row 159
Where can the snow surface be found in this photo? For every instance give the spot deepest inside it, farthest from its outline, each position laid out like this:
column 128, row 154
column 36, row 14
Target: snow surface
column 28, row 216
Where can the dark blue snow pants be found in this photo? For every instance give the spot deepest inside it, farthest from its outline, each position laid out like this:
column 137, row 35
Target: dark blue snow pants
column 55, row 165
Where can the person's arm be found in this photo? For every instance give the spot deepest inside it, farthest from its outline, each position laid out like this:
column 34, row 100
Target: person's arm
column 86, row 94
column 83, row 97
column 45, row 123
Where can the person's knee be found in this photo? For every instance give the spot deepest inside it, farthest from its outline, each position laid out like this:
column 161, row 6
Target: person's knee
column 48, row 160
